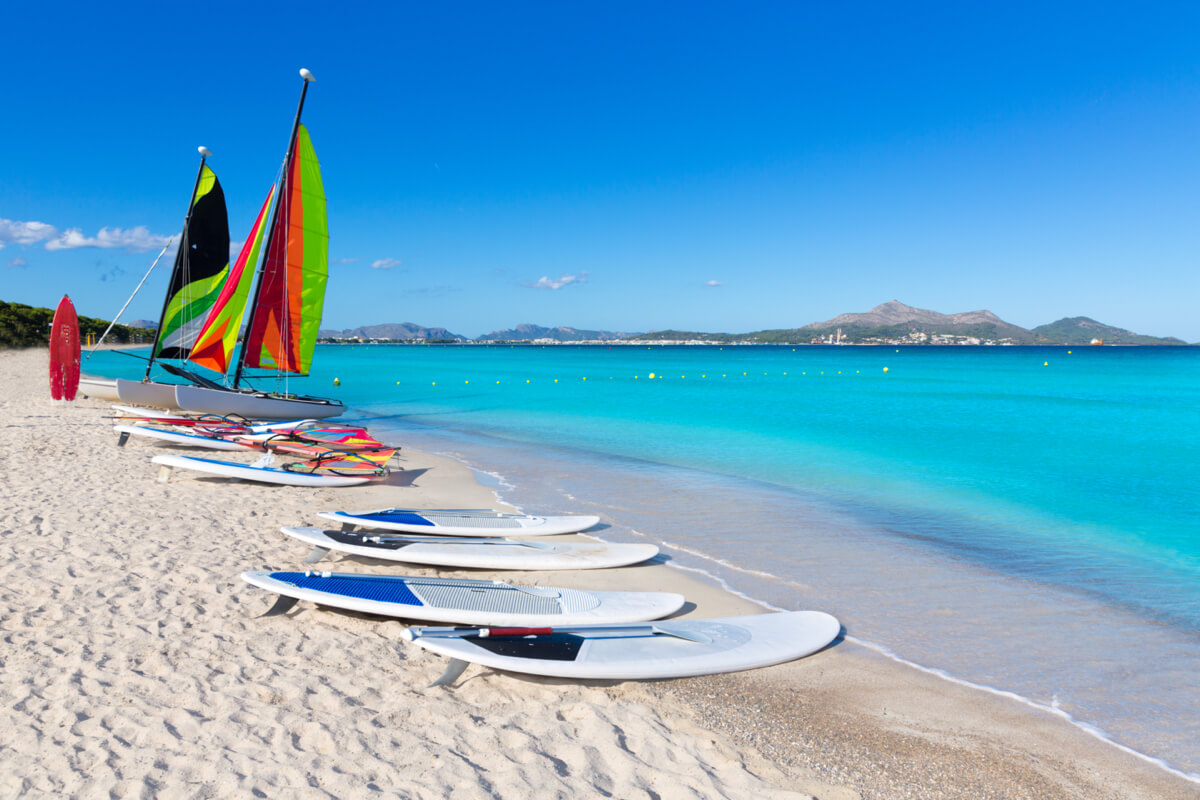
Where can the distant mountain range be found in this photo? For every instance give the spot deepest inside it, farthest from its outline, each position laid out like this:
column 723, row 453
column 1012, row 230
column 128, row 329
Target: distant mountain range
column 406, row 331
column 890, row 323
column 528, row 333
column 896, row 323
column 394, row 331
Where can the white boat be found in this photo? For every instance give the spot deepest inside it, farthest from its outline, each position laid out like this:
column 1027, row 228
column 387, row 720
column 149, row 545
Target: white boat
column 277, row 283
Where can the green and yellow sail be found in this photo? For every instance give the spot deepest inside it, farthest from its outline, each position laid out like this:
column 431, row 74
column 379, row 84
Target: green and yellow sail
column 201, row 269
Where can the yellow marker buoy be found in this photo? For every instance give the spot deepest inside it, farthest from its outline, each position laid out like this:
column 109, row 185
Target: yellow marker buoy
column 785, row 373
column 397, row 383
column 527, row 380
column 497, row 381
column 651, row 376
column 556, row 380
column 885, row 368
column 585, row 378
column 434, row 383
column 337, row 382
column 1068, row 352
column 1045, row 363
column 466, row 381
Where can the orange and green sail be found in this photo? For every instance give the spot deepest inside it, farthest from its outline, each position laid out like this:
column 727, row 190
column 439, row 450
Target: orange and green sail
column 217, row 339
column 287, row 315
column 201, row 268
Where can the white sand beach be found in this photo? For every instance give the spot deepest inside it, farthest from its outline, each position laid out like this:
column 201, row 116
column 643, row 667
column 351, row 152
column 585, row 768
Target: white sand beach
column 135, row 663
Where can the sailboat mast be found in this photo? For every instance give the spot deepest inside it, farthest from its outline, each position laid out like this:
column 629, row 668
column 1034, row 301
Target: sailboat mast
column 283, row 185
column 180, row 253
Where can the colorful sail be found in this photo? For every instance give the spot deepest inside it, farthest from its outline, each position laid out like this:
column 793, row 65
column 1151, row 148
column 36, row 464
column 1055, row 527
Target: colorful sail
column 201, row 267
column 283, row 330
column 217, row 338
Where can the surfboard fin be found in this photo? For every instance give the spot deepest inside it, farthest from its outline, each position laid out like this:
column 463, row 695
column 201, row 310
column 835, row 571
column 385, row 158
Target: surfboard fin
column 283, row 604
column 123, row 438
column 316, row 555
column 453, row 670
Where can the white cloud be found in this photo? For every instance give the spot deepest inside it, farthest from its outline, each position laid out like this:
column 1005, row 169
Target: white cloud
column 713, row 283
column 348, row 261
column 25, row 232
column 138, row 239
column 546, row 282
column 17, row 261
column 385, row 263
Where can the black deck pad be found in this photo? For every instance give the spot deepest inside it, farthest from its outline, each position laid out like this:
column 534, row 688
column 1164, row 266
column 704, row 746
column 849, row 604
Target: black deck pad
column 546, row 647
column 361, row 539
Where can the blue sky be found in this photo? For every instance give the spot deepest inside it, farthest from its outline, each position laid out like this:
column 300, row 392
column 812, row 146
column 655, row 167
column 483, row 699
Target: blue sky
column 627, row 166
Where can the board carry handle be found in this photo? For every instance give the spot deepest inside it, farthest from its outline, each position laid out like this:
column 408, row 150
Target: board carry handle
column 417, row 632
column 490, row 540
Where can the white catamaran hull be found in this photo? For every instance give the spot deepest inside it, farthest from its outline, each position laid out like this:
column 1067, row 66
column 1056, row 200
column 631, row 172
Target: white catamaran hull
column 99, row 388
column 158, row 395
column 254, row 405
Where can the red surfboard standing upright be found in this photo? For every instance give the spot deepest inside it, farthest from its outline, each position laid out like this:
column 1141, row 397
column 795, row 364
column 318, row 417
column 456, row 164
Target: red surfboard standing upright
column 64, row 352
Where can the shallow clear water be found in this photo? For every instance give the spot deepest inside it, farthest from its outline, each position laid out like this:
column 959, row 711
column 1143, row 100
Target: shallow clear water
column 1023, row 518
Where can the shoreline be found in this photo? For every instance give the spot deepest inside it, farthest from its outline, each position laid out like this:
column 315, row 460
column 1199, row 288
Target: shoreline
column 119, row 587
column 864, row 651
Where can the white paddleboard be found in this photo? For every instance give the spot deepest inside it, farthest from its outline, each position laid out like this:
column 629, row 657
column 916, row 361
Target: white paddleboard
column 461, row 521
column 472, row 552
column 468, row 602
column 176, row 437
column 667, row 649
column 247, row 472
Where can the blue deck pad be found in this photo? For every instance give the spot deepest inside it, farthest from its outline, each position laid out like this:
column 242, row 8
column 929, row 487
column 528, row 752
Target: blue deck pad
column 381, row 589
column 403, row 517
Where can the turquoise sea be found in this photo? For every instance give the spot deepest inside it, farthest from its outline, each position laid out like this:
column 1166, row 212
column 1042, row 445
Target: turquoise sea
column 1021, row 518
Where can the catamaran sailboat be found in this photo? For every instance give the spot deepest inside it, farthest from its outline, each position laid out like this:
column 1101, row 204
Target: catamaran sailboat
column 285, row 310
column 201, row 267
